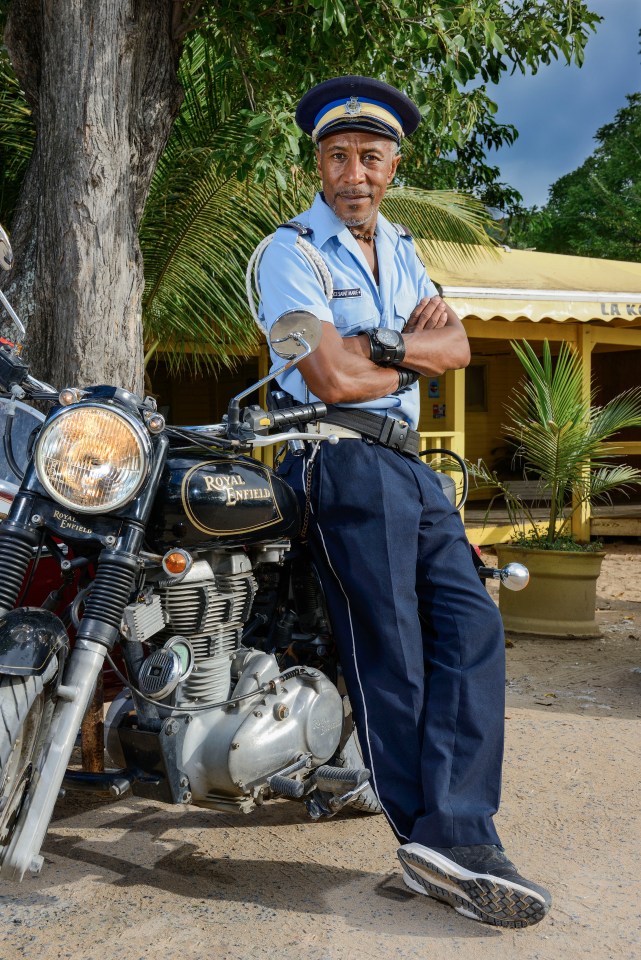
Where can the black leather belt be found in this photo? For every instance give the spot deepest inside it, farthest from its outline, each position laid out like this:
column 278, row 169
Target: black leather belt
column 388, row 431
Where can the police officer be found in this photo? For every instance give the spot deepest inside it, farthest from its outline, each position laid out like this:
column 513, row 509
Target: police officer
column 420, row 641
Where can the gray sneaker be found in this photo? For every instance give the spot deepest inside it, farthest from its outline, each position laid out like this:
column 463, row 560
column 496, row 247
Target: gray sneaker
column 478, row 881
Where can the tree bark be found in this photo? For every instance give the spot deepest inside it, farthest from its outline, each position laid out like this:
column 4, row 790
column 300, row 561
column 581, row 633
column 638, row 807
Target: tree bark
column 100, row 76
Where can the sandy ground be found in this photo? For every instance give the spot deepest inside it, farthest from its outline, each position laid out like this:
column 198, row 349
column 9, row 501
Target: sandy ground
column 134, row 879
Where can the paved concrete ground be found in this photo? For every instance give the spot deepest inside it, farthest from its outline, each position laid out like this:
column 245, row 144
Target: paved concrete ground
column 134, row 879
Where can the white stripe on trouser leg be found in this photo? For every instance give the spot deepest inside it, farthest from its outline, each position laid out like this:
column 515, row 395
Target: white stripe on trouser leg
column 360, row 686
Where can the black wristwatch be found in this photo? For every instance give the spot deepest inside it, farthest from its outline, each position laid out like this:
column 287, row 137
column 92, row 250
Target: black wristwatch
column 386, row 346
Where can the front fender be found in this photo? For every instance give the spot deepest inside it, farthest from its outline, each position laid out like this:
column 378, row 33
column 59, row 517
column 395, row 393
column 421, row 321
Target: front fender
column 29, row 639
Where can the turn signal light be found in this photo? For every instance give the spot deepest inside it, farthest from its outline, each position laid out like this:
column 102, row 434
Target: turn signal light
column 176, row 562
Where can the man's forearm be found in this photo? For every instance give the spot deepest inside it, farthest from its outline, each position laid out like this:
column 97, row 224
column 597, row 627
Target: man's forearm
column 430, row 352
column 433, row 352
column 340, row 371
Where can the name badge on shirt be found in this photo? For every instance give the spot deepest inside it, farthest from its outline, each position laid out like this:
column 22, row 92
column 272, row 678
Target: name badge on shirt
column 343, row 294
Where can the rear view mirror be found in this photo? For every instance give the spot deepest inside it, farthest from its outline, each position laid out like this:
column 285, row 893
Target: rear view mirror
column 294, row 333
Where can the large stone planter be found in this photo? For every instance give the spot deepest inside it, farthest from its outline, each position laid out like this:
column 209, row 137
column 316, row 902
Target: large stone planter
column 560, row 599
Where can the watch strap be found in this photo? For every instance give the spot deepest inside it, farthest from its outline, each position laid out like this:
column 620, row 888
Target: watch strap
column 382, row 354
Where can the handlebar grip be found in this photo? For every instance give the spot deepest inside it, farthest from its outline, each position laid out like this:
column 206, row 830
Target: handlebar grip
column 296, row 416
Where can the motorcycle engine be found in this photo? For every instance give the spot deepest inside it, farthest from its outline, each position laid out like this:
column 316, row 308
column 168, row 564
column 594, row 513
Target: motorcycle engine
column 250, row 722
column 209, row 607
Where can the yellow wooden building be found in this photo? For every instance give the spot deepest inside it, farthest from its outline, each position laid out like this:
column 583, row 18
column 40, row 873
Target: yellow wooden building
column 509, row 294
column 593, row 304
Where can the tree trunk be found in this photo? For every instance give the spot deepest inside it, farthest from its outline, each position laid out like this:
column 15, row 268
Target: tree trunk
column 100, row 76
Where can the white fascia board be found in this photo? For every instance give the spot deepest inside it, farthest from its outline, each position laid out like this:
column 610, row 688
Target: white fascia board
column 519, row 293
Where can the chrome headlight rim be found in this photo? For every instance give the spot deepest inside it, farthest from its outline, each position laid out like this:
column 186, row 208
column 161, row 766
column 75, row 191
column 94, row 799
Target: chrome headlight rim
column 137, row 429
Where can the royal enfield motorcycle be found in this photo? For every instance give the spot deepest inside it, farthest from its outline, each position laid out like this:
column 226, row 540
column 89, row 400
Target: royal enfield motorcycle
column 176, row 548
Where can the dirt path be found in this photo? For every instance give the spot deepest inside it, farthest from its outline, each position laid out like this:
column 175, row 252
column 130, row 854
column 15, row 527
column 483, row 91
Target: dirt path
column 134, row 879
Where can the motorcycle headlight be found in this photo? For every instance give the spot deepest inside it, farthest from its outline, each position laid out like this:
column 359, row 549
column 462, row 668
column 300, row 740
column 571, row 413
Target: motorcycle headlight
column 92, row 458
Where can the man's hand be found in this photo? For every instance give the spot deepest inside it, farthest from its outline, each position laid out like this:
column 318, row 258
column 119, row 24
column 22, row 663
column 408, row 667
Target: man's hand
column 428, row 314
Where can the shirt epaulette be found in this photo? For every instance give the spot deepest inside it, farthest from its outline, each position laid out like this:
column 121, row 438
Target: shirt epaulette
column 300, row 228
column 402, row 231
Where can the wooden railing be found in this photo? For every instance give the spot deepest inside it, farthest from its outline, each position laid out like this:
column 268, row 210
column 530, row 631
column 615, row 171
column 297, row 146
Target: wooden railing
column 443, row 440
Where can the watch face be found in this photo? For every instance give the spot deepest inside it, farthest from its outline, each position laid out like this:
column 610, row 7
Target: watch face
column 388, row 338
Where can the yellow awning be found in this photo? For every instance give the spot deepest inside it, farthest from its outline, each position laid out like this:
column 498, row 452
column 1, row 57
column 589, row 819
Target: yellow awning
column 527, row 285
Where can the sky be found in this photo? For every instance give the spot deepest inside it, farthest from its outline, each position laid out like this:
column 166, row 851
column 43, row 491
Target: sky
column 558, row 111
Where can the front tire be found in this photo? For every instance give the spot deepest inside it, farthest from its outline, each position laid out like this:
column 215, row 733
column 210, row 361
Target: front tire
column 25, row 713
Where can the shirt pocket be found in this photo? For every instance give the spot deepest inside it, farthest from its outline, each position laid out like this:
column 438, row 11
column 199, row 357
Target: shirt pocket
column 352, row 315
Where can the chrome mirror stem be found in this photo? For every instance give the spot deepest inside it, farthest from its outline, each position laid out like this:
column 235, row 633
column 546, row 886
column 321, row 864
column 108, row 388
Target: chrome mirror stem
column 14, row 316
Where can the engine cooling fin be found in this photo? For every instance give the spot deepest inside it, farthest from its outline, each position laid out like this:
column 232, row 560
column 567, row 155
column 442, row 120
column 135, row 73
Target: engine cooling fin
column 211, row 613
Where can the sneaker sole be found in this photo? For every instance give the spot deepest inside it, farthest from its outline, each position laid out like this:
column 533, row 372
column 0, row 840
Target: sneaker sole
column 480, row 897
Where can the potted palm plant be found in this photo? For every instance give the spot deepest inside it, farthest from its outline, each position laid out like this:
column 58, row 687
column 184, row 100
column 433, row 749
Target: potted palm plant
column 559, row 436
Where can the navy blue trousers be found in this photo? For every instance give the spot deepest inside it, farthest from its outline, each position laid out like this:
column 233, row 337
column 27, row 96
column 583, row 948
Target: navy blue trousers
column 420, row 641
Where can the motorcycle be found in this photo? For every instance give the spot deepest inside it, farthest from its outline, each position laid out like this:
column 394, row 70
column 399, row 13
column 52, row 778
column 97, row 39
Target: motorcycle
column 178, row 548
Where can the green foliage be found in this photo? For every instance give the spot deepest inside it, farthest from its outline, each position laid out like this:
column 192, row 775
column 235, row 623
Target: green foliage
column 464, row 167
column 17, row 135
column 560, row 436
column 595, row 211
column 442, row 54
column 236, row 164
column 538, row 541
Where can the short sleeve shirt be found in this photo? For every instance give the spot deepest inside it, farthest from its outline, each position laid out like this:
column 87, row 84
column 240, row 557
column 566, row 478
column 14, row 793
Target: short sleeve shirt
column 288, row 282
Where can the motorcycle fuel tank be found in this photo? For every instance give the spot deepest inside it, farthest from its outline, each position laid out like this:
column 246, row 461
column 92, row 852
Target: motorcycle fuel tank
column 210, row 499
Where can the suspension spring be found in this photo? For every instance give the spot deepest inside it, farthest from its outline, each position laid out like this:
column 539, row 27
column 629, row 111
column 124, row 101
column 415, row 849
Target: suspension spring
column 15, row 556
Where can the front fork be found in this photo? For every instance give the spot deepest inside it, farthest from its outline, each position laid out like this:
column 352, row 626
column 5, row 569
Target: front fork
column 98, row 631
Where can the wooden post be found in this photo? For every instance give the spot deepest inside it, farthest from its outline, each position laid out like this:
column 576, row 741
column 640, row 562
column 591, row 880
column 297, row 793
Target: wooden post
column 585, row 344
column 92, row 732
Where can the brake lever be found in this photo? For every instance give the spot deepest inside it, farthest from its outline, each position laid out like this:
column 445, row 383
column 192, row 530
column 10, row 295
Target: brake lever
column 286, row 437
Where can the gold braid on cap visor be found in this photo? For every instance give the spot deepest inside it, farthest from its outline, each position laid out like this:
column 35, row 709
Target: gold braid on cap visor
column 369, row 111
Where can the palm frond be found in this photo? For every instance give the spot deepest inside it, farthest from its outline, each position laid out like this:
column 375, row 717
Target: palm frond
column 197, row 233
column 600, row 482
column 552, row 393
column 621, row 412
column 440, row 217
column 17, row 137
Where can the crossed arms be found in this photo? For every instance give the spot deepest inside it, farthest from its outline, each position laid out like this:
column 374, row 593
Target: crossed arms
column 340, row 370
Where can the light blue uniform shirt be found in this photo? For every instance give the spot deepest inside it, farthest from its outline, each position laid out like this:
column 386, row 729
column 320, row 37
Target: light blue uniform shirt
column 287, row 282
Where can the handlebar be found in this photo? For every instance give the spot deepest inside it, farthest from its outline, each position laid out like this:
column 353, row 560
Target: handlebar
column 44, row 391
column 296, row 416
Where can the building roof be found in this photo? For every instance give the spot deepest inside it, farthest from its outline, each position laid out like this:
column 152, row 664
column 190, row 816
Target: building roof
column 527, row 285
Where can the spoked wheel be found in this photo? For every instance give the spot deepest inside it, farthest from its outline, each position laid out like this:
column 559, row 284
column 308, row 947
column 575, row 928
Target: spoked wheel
column 24, row 714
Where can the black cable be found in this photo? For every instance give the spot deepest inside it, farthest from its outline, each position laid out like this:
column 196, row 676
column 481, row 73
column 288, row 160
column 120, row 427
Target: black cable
column 461, row 463
column 8, row 446
column 34, row 564
column 201, row 439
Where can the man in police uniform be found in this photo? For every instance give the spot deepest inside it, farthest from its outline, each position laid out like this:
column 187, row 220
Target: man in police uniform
column 420, row 641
